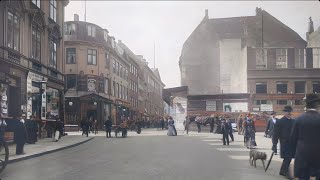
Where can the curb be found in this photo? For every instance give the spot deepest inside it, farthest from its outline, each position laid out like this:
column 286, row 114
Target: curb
column 48, row 152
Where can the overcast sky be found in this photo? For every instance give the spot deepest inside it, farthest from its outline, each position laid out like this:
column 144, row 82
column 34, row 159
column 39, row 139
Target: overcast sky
column 169, row 23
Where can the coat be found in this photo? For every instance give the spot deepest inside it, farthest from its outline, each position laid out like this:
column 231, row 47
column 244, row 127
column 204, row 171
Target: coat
column 270, row 127
column 304, row 137
column 281, row 132
column 108, row 125
column 20, row 134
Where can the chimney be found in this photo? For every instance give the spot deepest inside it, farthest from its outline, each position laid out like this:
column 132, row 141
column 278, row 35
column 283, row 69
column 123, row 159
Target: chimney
column 206, row 15
column 310, row 26
column 76, row 17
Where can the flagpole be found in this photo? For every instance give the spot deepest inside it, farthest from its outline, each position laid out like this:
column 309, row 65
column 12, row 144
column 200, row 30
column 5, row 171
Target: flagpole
column 154, row 54
column 85, row 10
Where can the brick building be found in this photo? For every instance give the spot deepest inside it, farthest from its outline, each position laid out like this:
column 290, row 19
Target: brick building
column 258, row 57
column 31, row 58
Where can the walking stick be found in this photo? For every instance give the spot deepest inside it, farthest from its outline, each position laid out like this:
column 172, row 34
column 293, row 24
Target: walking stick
column 269, row 162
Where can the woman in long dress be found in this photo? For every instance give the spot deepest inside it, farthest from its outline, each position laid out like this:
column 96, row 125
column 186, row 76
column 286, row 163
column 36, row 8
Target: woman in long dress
column 171, row 131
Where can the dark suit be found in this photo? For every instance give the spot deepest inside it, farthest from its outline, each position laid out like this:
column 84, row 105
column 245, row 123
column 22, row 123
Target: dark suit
column 305, row 137
column 20, row 137
column 225, row 129
column 270, row 128
column 108, row 126
column 282, row 131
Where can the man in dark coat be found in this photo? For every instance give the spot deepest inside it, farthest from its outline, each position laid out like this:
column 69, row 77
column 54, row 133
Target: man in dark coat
column 20, row 137
column 108, row 126
column 282, row 131
column 162, row 123
column 211, row 122
column 270, row 124
column 305, row 132
column 230, row 130
column 225, row 132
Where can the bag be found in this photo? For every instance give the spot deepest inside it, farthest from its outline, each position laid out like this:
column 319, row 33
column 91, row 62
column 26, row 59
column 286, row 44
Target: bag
column 56, row 135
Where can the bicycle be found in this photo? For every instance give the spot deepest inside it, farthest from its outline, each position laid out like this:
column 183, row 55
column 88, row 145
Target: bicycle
column 4, row 154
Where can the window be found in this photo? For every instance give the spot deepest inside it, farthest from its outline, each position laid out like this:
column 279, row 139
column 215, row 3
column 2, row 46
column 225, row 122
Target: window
column 118, row 95
column 298, row 102
column 70, row 29
column 300, row 59
column 117, row 68
column 71, row 81
column 106, row 57
column 92, row 57
column 316, row 86
column 261, row 58
column 13, row 31
column 121, row 71
column 71, row 55
column 316, row 57
column 282, row 88
column 36, row 2
column 53, row 54
column 105, row 35
column 259, row 102
column 299, row 87
column 91, row 31
column 53, row 10
column 106, row 86
column 121, row 92
column 261, row 88
column 282, row 102
column 114, row 68
column 36, row 43
column 281, row 58
column 114, row 89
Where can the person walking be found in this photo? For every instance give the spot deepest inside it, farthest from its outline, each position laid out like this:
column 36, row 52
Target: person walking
column 20, row 136
column 108, row 127
column 270, row 124
column 95, row 124
column 230, row 130
column 162, row 123
column 171, row 131
column 305, row 130
column 211, row 122
column 198, row 123
column 249, row 132
column 240, row 123
column 225, row 132
column 282, row 130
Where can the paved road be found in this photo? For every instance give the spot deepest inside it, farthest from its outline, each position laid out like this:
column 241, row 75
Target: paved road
column 140, row 158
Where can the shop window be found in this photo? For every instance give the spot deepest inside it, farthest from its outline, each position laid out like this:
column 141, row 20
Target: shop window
column 316, row 86
column 71, row 55
column 13, row 31
column 299, row 87
column 71, row 81
column 282, row 102
column 281, row 58
column 261, row 88
column 282, row 88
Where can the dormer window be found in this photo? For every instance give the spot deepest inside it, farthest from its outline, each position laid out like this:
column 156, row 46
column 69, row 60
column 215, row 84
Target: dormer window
column 91, row 31
column 70, row 29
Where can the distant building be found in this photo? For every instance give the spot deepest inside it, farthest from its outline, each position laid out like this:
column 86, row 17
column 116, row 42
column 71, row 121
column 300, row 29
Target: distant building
column 256, row 60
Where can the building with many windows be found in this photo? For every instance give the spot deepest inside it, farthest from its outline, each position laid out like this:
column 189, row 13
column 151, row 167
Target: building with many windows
column 250, row 63
column 31, row 58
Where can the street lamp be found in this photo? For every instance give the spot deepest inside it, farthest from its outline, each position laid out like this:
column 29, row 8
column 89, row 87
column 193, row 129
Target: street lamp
column 95, row 103
column 70, row 103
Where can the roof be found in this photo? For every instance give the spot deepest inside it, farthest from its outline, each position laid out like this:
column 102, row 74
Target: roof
column 156, row 73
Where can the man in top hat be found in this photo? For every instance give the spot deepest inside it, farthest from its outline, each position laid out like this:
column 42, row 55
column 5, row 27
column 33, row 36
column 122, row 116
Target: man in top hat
column 305, row 132
column 270, row 124
column 282, row 130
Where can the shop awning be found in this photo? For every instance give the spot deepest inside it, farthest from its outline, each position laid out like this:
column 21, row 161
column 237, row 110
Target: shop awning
column 94, row 97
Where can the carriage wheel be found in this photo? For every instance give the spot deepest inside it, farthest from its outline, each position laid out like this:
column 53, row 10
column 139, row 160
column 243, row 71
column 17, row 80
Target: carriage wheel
column 4, row 155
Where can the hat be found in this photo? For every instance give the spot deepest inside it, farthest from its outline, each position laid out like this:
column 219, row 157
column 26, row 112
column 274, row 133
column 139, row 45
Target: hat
column 310, row 98
column 287, row 109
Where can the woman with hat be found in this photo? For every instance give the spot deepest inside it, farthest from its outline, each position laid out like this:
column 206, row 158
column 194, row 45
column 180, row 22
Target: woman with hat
column 304, row 137
column 282, row 131
column 249, row 132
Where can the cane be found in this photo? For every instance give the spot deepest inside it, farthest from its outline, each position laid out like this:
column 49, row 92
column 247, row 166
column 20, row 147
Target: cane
column 269, row 162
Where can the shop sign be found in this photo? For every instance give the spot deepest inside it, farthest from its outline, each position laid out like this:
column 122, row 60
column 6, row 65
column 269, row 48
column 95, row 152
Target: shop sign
column 3, row 102
column 266, row 107
column 44, row 102
column 92, row 85
column 211, row 105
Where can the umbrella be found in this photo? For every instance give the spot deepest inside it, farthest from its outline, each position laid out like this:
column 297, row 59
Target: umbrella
column 269, row 162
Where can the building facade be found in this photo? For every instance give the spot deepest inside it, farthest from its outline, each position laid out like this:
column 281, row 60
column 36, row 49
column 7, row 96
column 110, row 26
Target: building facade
column 257, row 58
column 31, row 59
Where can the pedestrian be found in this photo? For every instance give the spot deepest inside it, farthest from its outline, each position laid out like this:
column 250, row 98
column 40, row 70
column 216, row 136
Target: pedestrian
column 230, row 130
column 249, row 132
column 20, row 136
column 139, row 126
column 91, row 130
column 86, row 127
column 225, row 132
column 282, row 130
column 58, row 130
column 305, row 140
column 198, row 123
column 270, row 124
column 218, row 122
column 95, row 124
column 3, row 125
column 240, row 123
column 124, row 127
column 171, row 131
column 108, row 127
column 211, row 122
column 162, row 123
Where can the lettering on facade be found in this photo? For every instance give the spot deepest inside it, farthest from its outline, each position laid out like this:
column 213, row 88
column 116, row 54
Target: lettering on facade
column 211, row 105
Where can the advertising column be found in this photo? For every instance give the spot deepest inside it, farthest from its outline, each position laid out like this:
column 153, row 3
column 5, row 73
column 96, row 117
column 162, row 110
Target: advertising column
column 179, row 111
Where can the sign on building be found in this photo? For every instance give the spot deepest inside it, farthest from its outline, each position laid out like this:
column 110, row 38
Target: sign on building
column 266, row 107
column 211, row 105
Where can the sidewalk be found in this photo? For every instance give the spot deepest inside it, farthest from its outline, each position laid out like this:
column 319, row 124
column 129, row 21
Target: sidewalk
column 46, row 146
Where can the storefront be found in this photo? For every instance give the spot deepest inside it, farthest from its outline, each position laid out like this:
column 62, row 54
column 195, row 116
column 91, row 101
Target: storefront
column 122, row 110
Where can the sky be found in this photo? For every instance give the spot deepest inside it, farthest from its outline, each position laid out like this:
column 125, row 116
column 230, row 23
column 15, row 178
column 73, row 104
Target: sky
column 163, row 26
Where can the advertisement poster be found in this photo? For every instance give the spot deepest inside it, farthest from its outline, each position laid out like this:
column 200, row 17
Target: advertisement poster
column 179, row 111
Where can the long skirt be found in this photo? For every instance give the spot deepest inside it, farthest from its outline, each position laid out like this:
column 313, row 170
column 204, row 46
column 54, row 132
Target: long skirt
column 171, row 131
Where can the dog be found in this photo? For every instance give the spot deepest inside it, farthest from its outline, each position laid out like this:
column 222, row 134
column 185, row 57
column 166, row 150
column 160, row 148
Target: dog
column 255, row 155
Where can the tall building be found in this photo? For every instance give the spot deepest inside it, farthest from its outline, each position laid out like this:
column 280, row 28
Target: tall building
column 249, row 63
column 31, row 58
